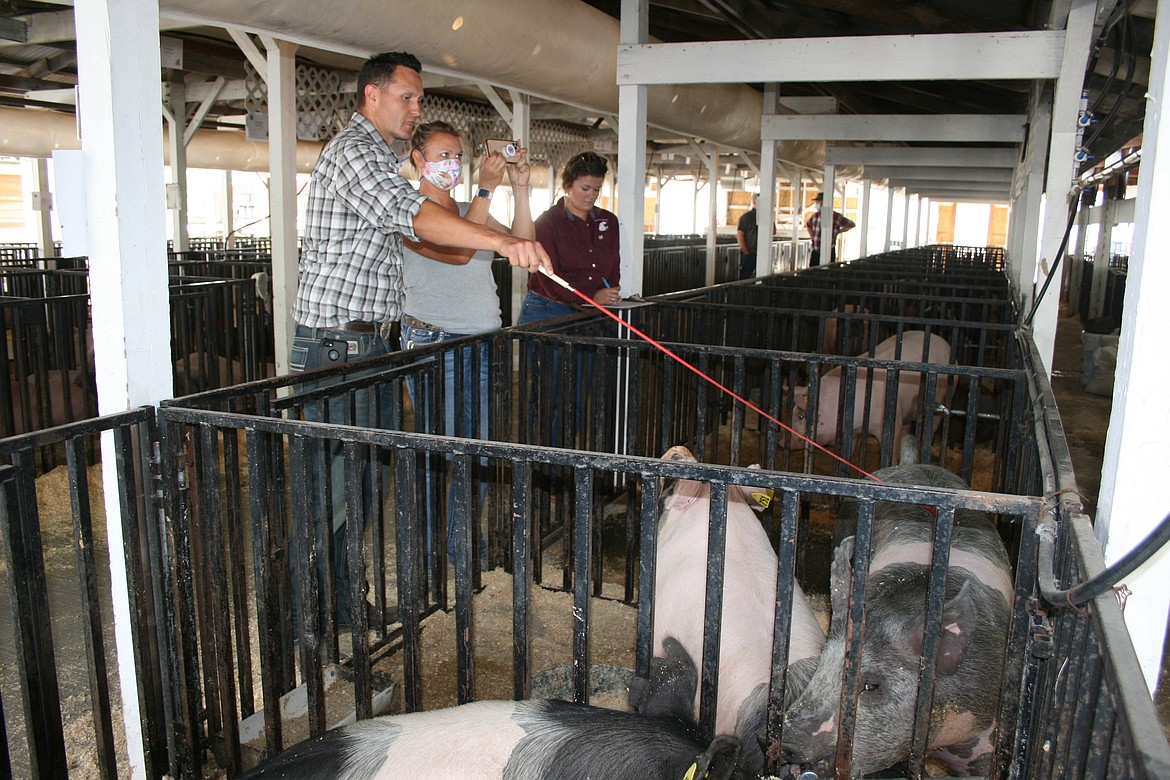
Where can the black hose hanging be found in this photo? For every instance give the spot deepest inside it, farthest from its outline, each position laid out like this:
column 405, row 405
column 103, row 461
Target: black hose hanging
column 1085, row 592
column 1072, row 216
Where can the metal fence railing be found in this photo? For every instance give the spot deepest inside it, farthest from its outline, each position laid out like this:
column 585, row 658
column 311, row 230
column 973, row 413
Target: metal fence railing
column 237, row 559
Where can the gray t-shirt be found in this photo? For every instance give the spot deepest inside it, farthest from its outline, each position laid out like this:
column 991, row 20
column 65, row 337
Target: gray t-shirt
column 457, row 298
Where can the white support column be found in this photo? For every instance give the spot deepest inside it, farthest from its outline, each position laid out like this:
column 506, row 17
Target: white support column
column 1137, row 448
column 797, row 217
column 889, row 216
column 657, row 201
column 282, row 165
column 229, row 208
column 1077, row 257
column 1101, row 257
column 176, row 142
column 906, row 219
column 1025, row 261
column 1061, row 168
column 122, row 156
column 766, row 205
column 866, row 202
column 43, row 206
column 711, row 157
column 923, row 221
column 827, row 188
column 695, row 204
column 521, row 126
column 634, row 29
column 1016, row 213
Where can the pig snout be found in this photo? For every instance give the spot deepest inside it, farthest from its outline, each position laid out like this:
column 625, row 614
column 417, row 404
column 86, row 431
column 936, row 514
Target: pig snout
column 810, row 740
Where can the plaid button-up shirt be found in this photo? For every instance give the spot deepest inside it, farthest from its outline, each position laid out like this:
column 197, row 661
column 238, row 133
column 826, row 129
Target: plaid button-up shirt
column 359, row 208
column 813, row 223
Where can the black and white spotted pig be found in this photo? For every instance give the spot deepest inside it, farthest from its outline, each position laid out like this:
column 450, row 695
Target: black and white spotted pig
column 749, row 606
column 524, row 740
column 971, row 650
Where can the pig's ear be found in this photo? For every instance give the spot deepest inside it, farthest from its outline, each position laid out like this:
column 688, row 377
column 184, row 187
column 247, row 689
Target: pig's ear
column 670, row 691
column 801, row 395
column 840, row 581
column 685, row 493
column 718, row 761
column 958, row 624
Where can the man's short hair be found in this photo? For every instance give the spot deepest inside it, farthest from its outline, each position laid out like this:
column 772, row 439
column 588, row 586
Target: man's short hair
column 819, row 196
column 379, row 71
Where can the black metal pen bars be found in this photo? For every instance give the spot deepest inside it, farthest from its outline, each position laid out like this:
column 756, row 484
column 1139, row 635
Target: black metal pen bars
column 221, row 334
column 577, row 428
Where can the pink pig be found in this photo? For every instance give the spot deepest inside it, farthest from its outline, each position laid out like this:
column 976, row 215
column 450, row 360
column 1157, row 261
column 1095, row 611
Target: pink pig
column 749, row 606
column 906, row 410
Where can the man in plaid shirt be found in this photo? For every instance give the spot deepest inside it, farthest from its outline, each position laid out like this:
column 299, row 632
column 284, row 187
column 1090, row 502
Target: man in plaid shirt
column 350, row 282
column 841, row 223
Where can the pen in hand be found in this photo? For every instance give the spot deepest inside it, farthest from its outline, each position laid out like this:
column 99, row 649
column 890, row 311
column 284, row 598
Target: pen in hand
column 609, row 301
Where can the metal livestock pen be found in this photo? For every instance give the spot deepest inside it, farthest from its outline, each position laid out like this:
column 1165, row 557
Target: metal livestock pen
column 214, row 484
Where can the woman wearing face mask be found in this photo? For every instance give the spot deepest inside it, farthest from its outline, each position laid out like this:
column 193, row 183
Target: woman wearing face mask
column 582, row 241
column 456, row 296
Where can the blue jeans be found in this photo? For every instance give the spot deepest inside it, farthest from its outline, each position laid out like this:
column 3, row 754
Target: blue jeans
column 415, row 336
column 536, row 308
column 315, row 348
column 747, row 266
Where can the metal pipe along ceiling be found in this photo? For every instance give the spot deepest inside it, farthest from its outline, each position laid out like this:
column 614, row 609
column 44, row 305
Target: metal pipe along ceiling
column 561, row 50
column 33, row 133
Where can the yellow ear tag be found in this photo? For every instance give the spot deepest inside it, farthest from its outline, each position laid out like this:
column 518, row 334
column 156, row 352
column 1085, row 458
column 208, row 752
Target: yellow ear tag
column 690, row 775
column 763, row 497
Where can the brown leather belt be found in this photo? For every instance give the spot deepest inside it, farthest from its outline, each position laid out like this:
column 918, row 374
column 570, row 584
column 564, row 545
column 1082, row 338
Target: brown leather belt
column 357, row 326
column 415, row 322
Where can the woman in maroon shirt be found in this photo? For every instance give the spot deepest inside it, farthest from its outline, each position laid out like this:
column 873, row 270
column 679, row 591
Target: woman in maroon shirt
column 582, row 241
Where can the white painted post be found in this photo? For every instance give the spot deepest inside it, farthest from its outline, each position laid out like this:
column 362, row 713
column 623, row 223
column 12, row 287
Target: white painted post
column 797, row 218
column 906, row 219
column 828, row 186
column 521, row 126
column 1025, row 261
column 1137, row 448
column 122, row 156
column 229, row 208
column 43, row 208
column 176, row 143
column 766, row 205
column 1101, row 256
column 866, row 202
column 69, row 188
column 921, row 234
column 1061, row 168
column 695, row 204
column 282, row 165
column 712, row 157
column 889, row 216
column 631, row 180
column 1077, row 258
column 657, row 194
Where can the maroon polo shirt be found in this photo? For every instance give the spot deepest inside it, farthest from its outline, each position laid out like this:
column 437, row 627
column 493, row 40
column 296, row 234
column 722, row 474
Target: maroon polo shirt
column 583, row 252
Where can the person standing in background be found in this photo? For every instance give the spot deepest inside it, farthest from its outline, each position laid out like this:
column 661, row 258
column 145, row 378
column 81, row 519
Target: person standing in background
column 746, row 233
column 581, row 240
column 841, row 223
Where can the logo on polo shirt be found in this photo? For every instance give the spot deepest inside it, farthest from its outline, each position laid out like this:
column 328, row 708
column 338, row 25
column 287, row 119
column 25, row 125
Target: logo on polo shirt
column 603, row 226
